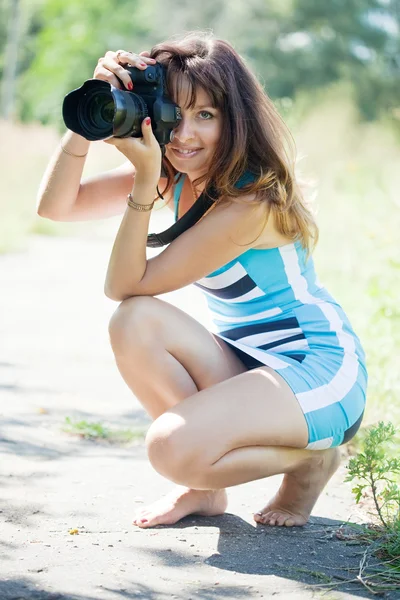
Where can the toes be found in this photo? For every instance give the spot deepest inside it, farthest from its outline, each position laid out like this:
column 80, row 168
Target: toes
column 140, row 519
column 282, row 519
column 290, row 522
column 273, row 519
column 267, row 518
column 143, row 523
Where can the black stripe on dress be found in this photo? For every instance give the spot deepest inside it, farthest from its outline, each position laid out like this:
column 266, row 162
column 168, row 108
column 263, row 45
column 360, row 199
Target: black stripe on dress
column 235, row 290
column 295, row 355
column 292, row 338
column 351, row 431
column 263, row 327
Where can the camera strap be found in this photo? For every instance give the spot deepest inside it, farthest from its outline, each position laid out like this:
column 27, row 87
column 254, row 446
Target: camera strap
column 190, row 218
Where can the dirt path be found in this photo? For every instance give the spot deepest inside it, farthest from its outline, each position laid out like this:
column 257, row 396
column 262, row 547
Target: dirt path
column 55, row 362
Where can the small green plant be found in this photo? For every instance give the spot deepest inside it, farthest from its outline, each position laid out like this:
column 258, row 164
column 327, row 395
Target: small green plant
column 97, row 431
column 378, row 472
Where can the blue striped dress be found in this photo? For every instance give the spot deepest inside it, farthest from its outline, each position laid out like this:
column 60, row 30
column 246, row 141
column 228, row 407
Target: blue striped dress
column 269, row 306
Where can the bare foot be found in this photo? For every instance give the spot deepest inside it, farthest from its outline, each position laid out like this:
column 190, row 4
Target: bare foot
column 180, row 503
column 300, row 490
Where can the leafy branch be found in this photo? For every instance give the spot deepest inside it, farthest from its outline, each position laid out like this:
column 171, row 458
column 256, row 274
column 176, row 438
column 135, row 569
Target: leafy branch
column 378, row 472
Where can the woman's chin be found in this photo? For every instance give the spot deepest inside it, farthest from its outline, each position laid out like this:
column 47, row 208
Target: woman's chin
column 184, row 167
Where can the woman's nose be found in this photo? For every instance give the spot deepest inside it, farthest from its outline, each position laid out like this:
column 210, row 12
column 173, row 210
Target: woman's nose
column 184, row 131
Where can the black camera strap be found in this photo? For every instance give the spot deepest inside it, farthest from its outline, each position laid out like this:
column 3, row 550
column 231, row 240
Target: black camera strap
column 190, row 218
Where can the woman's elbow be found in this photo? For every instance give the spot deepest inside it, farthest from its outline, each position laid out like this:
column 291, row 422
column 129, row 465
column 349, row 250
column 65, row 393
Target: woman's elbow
column 115, row 294
column 112, row 294
column 46, row 213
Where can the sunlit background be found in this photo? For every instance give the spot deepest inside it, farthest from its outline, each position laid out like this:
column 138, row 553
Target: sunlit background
column 333, row 70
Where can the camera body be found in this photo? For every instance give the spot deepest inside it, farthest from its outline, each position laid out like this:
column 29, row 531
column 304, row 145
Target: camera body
column 98, row 110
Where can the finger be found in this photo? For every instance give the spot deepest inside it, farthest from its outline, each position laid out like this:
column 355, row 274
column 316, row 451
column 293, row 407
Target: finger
column 146, row 55
column 109, row 70
column 136, row 60
column 106, row 75
column 148, row 136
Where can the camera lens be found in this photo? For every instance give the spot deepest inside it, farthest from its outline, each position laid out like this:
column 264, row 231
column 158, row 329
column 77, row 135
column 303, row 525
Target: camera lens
column 106, row 109
column 97, row 111
column 100, row 110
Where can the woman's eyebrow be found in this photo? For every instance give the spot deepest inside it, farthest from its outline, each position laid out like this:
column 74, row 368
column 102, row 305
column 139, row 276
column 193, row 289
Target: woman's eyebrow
column 204, row 106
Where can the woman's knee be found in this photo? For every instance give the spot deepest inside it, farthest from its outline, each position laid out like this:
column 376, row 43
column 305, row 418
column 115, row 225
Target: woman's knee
column 169, row 449
column 133, row 324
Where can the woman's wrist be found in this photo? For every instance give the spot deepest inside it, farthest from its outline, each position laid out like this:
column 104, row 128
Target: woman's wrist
column 144, row 184
column 74, row 143
column 143, row 188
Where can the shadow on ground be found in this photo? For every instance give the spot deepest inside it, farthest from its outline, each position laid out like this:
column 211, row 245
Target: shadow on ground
column 314, row 554
column 23, row 588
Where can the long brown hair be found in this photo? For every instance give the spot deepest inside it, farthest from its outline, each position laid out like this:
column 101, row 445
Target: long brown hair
column 254, row 138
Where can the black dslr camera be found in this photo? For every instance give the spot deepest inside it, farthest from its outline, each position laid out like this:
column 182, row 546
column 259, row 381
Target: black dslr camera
column 98, row 110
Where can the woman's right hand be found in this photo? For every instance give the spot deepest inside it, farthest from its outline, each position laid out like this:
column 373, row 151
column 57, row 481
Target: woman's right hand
column 110, row 67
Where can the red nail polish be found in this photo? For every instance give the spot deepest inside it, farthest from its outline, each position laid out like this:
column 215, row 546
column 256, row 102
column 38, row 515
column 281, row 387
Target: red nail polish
column 147, row 120
column 130, row 85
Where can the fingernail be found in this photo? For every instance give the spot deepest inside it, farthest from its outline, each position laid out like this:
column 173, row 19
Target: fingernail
column 142, row 65
column 130, row 85
column 142, row 520
column 147, row 120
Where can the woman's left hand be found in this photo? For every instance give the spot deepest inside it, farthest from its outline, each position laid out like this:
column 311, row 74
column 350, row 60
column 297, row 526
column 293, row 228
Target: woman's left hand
column 144, row 153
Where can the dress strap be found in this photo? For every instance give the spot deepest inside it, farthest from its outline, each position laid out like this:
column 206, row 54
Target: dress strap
column 177, row 192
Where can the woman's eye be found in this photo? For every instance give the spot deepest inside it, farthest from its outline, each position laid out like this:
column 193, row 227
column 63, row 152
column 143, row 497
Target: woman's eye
column 204, row 114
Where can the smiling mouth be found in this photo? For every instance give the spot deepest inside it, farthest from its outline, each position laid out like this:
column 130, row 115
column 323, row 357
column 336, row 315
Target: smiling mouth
column 187, row 152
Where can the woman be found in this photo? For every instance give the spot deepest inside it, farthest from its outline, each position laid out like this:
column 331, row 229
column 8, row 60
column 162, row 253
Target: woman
column 280, row 382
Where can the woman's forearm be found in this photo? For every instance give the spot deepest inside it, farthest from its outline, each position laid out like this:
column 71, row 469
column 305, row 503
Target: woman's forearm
column 60, row 183
column 128, row 259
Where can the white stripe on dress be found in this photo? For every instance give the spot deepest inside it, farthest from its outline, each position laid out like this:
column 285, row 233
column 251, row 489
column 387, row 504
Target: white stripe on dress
column 265, row 357
column 267, row 337
column 289, row 346
column 225, row 279
column 320, row 444
column 251, row 295
column 347, row 374
column 266, row 314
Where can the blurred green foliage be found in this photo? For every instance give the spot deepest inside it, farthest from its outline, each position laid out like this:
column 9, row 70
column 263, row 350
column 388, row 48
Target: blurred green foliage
column 293, row 45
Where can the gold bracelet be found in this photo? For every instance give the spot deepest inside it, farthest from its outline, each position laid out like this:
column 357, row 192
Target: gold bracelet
column 142, row 207
column 71, row 154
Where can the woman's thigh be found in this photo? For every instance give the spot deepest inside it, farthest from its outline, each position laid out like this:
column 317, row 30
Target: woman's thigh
column 143, row 325
column 252, row 410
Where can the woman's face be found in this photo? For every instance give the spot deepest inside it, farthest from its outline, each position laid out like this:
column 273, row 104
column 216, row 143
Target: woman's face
column 196, row 137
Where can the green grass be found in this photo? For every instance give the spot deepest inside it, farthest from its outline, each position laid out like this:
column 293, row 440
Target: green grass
column 99, row 432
